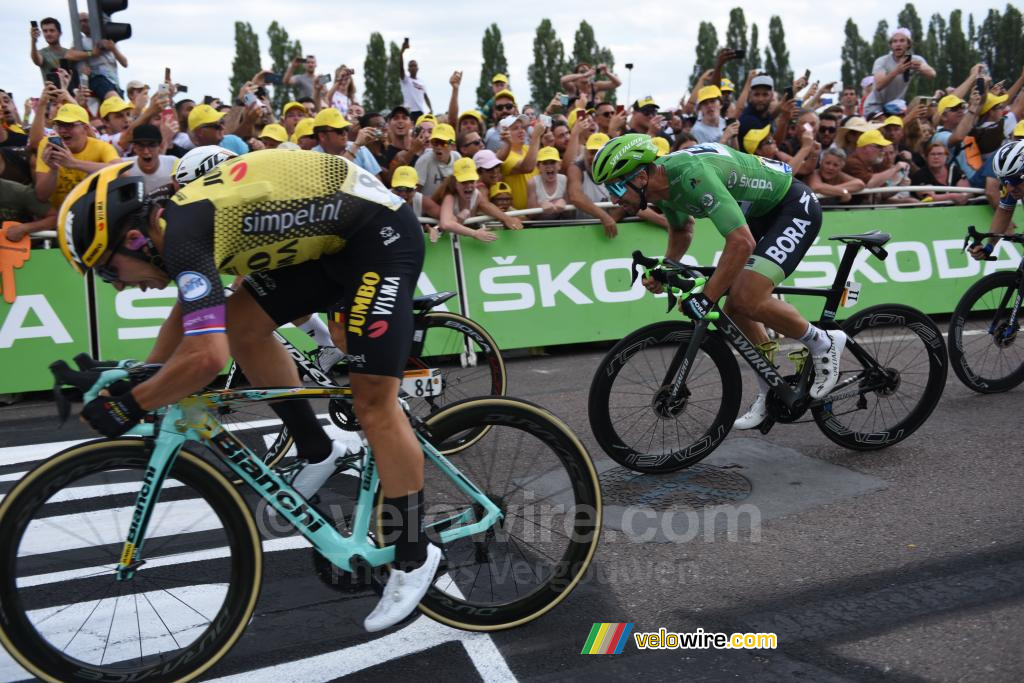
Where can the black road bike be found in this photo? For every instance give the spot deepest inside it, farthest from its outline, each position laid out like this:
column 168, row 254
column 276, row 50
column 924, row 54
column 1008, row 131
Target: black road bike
column 983, row 331
column 665, row 396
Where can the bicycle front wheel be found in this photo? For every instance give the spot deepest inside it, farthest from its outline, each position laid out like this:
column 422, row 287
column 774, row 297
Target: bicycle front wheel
column 983, row 343
column 66, row 617
column 635, row 419
column 880, row 403
column 541, row 477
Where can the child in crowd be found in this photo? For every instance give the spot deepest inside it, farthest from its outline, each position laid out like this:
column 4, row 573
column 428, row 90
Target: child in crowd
column 547, row 189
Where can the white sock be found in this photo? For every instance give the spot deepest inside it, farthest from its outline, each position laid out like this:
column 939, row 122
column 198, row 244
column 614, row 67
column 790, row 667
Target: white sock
column 317, row 329
column 816, row 341
column 762, row 385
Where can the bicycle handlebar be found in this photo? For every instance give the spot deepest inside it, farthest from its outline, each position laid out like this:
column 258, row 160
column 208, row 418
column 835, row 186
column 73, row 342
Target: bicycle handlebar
column 93, row 376
column 669, row 273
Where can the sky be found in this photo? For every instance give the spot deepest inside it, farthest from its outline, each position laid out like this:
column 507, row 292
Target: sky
column 196, row 39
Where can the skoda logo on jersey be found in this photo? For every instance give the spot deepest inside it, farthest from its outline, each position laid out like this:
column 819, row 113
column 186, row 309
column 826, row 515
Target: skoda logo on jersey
column 192, row 285
column 707, row 200
column 733, row 178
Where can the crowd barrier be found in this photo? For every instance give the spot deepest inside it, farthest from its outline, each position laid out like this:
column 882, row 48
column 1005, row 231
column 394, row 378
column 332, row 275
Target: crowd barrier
column 548, row 284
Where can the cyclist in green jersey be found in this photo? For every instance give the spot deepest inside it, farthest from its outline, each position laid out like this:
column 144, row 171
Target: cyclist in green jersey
column 768, row 220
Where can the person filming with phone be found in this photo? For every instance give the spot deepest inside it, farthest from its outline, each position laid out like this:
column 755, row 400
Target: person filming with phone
column 65, row 159
column 301, row 83
column 894, row 71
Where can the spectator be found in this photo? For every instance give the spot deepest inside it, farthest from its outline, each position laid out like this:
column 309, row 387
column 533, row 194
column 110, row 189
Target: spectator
column 583, row 82
column 405, row 183
column 728, row 92
column 710, row 126
column 662, row 145
column 206, row 127
column 919, row 133
column 901, row 177
column 892, row 130
column 115, row 113
column 828, row 125
column 49, row 58
column 156, row 169
column 414, row 94
column 499, row 82
column 472, row 120
column 603, row 113
column 866, row 161
column 993, row 124
column 684, row 140
column 332, row 138
column 758, row 111
column 830, row 181
column 582, row 191
column 520, row 163
column 304, row 136
column 343, row 93
column 302, row 84
column 19, row 203
column 59, row 167
column 560, row 140
column 950, row 112
column 939, row 172
column 760, row 142
column 399, row 126
column 272, row 135
column 504, row 105
column 645, row 118
column 469, row 143
column 893, row 71
column 488, row 166
column 850, row 132
column 377, row 136
column 182, row 109
column 135, row 89
column 11, row 131
column 291, row 114
column 459, row 198
column 546, row 190
column 501, row 196
column 438, row 162
column 426, row 123
column 103, row 61
column 849, row 101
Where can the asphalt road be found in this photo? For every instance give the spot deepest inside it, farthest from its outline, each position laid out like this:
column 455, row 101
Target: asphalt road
column 905, row 564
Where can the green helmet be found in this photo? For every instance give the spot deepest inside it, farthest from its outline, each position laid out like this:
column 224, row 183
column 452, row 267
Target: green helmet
column 620, row 157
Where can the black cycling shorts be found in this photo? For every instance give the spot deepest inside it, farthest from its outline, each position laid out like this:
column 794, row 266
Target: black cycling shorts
column 785, row 233
column 374, row 277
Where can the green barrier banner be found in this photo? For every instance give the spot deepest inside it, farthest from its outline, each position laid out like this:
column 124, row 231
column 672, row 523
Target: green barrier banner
column 572, row 284
column 48, row 321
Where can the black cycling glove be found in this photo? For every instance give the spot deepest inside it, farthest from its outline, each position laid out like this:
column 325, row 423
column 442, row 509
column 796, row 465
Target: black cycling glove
column 113, row 415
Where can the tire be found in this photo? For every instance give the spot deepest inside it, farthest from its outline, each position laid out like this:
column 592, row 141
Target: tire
column 255, row 424
column 909, row 347
column 59, row 546
column 541, row 476
column 446, row 336
column 983, row 361
column 626, row 418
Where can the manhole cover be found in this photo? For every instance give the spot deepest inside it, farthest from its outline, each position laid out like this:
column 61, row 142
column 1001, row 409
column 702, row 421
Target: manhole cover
column 696, row 487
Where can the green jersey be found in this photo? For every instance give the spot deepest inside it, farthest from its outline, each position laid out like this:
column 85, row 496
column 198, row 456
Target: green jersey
column 717, row 182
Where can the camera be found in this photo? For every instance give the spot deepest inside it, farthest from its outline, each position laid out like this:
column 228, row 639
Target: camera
column 738, row 54
column 272, row 79
column 323, row 79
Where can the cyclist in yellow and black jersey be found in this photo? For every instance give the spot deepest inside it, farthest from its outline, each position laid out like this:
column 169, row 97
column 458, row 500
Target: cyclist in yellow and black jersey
column 309, row 232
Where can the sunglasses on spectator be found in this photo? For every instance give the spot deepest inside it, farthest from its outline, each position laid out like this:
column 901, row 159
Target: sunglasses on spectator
column 605, row 114
column 649, row 111
column 827, row 129
column 504, row 107
column 439, row 143
column 403, row 190
column 472, row 143
column 217, row 126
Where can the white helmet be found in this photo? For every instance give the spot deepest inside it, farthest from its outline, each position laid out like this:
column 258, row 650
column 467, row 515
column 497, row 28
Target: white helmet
column 199, row 161
column 1009, row 160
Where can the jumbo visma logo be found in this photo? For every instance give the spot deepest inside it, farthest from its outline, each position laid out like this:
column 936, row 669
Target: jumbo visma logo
column 607, row 639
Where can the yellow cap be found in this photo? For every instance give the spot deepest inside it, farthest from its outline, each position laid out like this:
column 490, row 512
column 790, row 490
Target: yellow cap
column 500, row 188
column 203, row 115
column 573, row 115
column 727, row 86
column 443, row 131
column 474, row 113
column 991, row 101
column 754, row 136
column 113, row 104
column 465, row 169
column 948, row 102
column 548, row 154
column 303, row 128
column 893, row 121
column 72, row 113
column 1018, row 130
column 292, row 105
column 708, row 92
column 504, row 93
column 662, row 145
column 406, row 176
column 426, row 117
column 872, row 137
column 597, row 140
column 499, row 78
column 330, row 118
column 274, row 131
column 646, row 101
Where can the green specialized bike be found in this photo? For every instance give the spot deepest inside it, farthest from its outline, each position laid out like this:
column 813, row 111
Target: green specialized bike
column 136, row 558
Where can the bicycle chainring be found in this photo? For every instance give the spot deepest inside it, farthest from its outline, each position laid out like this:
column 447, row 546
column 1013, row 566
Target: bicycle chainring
column 343, row 415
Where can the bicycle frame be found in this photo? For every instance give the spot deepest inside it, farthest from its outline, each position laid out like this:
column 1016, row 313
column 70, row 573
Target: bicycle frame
column 192, row 419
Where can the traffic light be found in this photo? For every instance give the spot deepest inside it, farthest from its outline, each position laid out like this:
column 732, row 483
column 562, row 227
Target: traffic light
column 100, row 23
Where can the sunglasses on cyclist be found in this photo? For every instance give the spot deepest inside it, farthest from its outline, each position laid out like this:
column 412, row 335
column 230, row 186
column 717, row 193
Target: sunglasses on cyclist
column 619, row 187
column 1014, row 180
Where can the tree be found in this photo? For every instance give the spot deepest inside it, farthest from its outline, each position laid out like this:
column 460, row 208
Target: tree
column 855, row 54
column 604, row 56
column 776, row 56
column 394, row 86
column 375, row 74
column 247, row 56
column 548, row 64
column 736, row 38
column 935, row 49
column 494, row 63
column 909, row 18
column 281, row 52
column 707, row 50
column 753, row 60
column 1009, row 57
column 586, row 49
column 880, row 41
column 988, row 38
column 958, row 52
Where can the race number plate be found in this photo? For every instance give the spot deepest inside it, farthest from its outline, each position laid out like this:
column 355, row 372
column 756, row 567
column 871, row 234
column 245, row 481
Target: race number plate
column 422, row 382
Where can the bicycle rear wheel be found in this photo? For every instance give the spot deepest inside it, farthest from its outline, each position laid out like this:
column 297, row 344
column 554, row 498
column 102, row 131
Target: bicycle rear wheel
column 985, row 349
column 62, row 528
column 541, row 477
column 884, row 404
column 632, row 415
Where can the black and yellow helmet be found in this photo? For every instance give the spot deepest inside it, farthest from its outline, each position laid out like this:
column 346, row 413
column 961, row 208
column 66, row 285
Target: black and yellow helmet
column 93, row 217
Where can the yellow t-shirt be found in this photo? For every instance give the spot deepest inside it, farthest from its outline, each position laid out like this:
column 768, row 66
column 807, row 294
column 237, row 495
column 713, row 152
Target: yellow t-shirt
column 517, row 181
column 67, row 178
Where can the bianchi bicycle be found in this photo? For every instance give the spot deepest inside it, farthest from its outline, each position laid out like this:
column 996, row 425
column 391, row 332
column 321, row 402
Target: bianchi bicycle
column 983, row 332
column 452, row 358
column 665, row 396
column 135, row 559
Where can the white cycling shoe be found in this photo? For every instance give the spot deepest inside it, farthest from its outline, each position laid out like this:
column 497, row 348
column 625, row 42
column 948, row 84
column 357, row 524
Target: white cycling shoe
column 326, row 357
column 755, row 416
column 403, row 592
column 826, row 365
column 313, row 475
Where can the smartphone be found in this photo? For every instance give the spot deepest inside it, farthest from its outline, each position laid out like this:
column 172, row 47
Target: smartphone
column 52, row 77
column 250, row 99
column 55, row 141
column 180, row 87
column 261, row 92
column 66, row 65
column 563, row 100
column 807, row 74
column 545, row 120
column 35, row 24
column 729, row 122
column 163, row 87
column 979, row 85
column 322, row 79
column 788, row 92
column 738, row 54
column 167, row 74
column 272, row 79
column 619, row 108
column 809, row 128
column 417, row 130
